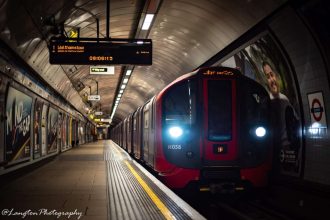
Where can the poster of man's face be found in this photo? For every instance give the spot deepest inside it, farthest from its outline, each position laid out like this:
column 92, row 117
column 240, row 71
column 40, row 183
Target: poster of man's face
column 263, row 61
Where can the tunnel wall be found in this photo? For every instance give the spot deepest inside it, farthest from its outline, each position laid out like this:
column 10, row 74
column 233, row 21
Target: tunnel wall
column 293, row 29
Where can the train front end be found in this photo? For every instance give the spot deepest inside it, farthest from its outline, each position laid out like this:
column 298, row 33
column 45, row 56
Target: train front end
column 214, row 131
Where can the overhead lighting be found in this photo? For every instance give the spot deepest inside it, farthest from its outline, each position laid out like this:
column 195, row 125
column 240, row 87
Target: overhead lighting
column 121, row 91
column 147, row 21
column 125, row 80
column 119, row 95
column 128, row 72
column 123, row 86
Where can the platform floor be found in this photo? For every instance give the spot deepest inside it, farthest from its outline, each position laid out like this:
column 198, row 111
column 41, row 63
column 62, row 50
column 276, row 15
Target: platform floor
column 96, row 181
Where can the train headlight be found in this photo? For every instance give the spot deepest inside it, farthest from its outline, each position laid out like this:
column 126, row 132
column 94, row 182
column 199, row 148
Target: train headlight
column 175, row 131
column 260, row 131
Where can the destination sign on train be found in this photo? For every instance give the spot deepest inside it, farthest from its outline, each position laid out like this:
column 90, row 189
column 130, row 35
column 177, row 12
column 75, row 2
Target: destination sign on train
column 92, row 51
column 214, row 72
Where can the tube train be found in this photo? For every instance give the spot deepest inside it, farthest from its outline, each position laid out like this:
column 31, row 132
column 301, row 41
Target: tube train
column 35, row 122
column 209, row 127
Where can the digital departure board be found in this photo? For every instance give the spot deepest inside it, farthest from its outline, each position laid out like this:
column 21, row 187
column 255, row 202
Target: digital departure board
column 92, row 51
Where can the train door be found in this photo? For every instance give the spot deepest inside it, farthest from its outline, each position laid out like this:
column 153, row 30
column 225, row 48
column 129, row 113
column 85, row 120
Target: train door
column 134, row 131
column 124, row 134
column 145, row 127
column 129, row 134
column 152, row 144
column 219, row 137
column 44, row 129
column 137, row 133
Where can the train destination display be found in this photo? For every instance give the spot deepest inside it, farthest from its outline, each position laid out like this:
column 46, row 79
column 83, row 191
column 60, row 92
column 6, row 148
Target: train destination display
column 100, row 52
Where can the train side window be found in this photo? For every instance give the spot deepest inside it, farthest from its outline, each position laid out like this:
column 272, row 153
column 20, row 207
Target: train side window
column 134, row 124
column 146, row 119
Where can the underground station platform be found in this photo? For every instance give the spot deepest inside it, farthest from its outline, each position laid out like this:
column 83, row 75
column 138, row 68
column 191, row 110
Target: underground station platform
column 96, row 181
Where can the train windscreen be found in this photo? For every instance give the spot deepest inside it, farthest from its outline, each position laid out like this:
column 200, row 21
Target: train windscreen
column 219, row 110
column 180, row 131
column 180, row 104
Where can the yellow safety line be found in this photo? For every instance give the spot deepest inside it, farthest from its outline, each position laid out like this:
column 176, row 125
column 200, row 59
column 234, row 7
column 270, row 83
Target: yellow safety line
column 167, row 214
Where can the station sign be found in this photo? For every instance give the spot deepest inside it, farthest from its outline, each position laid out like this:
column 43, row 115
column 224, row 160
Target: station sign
column 94, row 98
column 317, row 109
column 108, row 120
column 102, row 70
column 98, row 113
column 73, row 33
column 95, row 51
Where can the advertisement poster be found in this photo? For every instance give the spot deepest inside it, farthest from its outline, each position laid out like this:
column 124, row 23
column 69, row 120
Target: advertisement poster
column 264, row 62
column 18, row 124
column 52, row 130
column 37, row 129
column 43, row 130
column 59, row 130
column 64, row 133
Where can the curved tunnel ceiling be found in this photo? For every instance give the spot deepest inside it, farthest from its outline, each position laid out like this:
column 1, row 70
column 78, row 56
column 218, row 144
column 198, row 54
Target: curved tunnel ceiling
column 185, row 34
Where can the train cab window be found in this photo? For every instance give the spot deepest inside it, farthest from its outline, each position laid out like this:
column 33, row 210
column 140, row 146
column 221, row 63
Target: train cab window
column 219, row 110
column 180, row 104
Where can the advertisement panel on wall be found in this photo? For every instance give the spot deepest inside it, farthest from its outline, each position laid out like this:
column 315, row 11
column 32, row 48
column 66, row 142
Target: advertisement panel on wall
column 263, row 61
column 59, row 130
column 18, row 123
column 70, row 132
column 44, row 129
column 64, row 133
column 52, row 130
column 37, row 129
